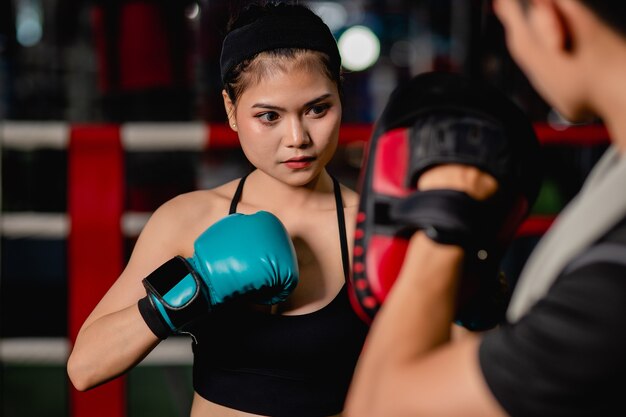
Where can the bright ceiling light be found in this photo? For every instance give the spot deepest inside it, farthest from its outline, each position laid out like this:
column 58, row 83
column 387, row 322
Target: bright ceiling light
column 359, row 48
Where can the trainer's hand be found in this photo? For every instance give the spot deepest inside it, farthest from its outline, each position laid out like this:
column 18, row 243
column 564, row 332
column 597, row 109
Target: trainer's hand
column 241, row 255
column 476, row 183
column 475, row 302
column 458, row 161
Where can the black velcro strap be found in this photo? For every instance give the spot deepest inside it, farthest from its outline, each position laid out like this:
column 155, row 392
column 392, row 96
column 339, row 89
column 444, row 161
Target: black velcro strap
column 166, row 276
column 153, row 318
column 446, row 216
column 453, row 217
column 162, row 280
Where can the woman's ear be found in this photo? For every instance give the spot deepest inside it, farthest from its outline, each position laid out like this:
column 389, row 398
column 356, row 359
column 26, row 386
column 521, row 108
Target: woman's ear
column 229, row 106
column 552, row 25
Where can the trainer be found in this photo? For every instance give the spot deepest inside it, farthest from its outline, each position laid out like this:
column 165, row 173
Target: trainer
column 561, row 350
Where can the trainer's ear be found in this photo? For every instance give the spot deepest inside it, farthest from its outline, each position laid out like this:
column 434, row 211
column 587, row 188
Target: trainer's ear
column 552, row 25
column 229, row 106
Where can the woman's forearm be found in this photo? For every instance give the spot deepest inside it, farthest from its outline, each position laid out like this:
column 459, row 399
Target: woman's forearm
column 108, row 347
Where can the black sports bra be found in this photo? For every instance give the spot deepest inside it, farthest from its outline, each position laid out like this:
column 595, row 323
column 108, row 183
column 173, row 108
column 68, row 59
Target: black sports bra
column 280, row 365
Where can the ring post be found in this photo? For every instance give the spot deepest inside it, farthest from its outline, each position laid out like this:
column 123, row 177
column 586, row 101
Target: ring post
column 95, row 245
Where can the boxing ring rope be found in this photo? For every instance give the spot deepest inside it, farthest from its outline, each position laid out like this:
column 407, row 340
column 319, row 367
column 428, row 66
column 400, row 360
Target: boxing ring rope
column 95, row 218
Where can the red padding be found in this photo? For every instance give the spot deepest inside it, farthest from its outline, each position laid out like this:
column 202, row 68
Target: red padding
column 535, row 226
column 220, row 136
column 391, row 164
column 384, row 261
column 356, row 132
column 95, row 254
column 587, row 135
column 142, row 44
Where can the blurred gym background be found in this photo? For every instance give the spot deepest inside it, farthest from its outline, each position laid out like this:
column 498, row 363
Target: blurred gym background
column 141, row 79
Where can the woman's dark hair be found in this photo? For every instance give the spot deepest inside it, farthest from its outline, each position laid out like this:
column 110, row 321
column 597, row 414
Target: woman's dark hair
column 251, row 70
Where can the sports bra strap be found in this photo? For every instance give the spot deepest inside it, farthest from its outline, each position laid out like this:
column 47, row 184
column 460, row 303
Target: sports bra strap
column 343, row 240
column 237, row 196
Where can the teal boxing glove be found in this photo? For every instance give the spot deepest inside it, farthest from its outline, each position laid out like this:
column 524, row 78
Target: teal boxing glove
column 239, row 256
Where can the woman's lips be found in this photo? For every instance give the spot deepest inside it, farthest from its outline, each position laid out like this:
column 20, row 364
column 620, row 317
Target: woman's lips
column 299, row 162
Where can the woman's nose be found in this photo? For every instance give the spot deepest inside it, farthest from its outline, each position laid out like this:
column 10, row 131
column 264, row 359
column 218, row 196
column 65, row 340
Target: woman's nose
column 297, row 135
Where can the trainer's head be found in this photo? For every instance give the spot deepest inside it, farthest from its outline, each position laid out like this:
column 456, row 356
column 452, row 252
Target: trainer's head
column 272, row 37
column 612, row 12
column 564, row 46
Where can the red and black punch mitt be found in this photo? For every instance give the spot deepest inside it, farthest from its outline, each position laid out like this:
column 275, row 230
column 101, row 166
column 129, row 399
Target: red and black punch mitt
column 439, row 118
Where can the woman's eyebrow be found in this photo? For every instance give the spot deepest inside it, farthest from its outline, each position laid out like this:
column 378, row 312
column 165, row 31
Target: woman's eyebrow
column 267, row 106
column 317, row 100
column 278, row 108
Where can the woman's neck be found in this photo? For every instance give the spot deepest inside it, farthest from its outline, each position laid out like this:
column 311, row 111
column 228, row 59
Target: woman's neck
column 264, row 190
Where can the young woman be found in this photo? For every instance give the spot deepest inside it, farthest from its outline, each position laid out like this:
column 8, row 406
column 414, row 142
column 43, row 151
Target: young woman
column 281, row 73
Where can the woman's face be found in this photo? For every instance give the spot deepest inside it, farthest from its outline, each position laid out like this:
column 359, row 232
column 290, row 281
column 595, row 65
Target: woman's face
column 288, row 124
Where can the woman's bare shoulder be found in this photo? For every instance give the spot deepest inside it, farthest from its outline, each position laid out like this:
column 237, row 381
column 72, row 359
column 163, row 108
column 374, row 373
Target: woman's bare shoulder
column 197, row 203
column 187, row 215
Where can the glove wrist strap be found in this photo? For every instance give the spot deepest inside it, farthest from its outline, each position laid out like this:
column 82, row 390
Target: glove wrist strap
column 153, row 318
column 175, row 295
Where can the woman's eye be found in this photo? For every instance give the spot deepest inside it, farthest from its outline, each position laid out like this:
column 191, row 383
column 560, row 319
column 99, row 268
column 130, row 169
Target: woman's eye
column 268, row 117
column 319, row 109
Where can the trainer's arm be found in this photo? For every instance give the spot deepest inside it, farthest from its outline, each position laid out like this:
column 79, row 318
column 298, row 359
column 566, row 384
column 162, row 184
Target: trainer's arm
column 115, row 337
column 409, row 365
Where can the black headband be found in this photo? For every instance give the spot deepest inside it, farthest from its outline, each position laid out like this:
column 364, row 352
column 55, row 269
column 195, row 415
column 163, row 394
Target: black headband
column 279, row 30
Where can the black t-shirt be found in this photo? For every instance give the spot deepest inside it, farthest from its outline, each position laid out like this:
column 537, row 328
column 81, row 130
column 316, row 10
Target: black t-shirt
column 567, row 356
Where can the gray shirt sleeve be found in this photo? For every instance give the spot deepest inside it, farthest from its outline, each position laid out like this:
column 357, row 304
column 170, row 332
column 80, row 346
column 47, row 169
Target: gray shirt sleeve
column 567, row 357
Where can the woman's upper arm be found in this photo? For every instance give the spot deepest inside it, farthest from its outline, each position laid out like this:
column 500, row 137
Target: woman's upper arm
column 159, row 241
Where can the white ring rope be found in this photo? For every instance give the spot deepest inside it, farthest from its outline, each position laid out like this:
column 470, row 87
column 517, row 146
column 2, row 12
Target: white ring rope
column 32, row 225
column 55, row 351
column 28, row 136
column 145, row 137
column 135, row 137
